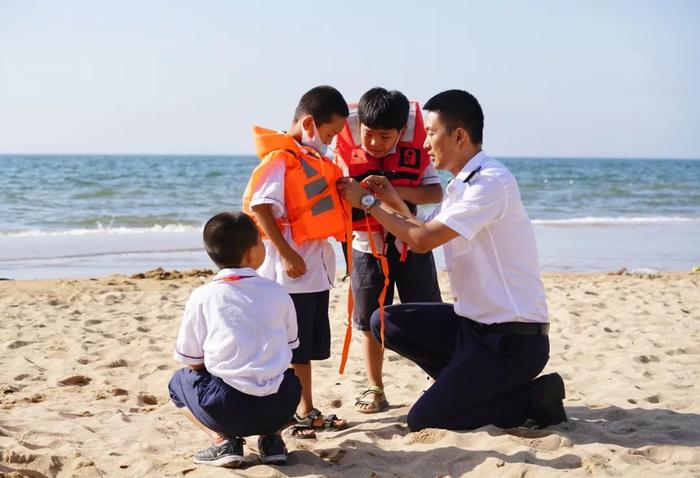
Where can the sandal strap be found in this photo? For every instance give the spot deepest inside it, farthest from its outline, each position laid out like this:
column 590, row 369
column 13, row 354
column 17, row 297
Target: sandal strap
column 328, row 421
column 372, row 389
column 308, row 420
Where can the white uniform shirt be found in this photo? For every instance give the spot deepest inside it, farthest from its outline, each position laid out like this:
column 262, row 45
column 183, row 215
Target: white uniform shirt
column 360, row 239
column 242, row 331
column 493, row 266
column 318, row 254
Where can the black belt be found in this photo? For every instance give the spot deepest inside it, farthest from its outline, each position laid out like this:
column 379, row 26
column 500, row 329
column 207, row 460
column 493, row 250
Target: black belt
column 513, row 328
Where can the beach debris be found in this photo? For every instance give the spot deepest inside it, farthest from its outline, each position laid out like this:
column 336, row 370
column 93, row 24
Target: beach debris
column 161, row 274
column 641, row 273
column 645, row 273
column 75, row 380
column 148, row 399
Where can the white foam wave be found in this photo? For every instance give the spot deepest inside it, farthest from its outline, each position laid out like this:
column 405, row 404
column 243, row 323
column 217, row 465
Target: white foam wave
column 101, row 230
column 603, row 221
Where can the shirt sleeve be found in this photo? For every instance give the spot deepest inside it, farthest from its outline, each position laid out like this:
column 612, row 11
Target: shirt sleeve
column 430, row 176
column 190, row 339
column 481, row 204
column 270, row 188
column 290, row 320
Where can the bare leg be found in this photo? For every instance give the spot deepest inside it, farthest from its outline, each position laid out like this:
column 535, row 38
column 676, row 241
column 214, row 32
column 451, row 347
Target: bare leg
column 374, row 361
column 303, row 373
column 306, row 403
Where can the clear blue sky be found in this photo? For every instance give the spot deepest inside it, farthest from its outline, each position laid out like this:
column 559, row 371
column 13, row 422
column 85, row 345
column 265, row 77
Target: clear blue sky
column 555, row 78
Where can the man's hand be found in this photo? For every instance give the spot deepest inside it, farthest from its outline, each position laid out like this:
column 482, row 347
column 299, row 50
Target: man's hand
column 384, row 191
column 293, row 264
column 351, row 191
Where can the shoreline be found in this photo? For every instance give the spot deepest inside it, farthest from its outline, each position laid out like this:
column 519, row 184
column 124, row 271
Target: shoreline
column 589, row 248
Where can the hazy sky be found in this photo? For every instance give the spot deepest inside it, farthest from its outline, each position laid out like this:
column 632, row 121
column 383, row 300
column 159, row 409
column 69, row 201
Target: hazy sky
column 555, row 78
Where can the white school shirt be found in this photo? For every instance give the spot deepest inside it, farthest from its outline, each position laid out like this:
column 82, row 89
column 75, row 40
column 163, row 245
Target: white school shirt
column 360, row 239
column 318, row 254
column 493, row 266
column 242, row 331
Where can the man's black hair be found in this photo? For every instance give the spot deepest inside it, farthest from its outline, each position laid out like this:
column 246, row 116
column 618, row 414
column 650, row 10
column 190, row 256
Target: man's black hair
column 322, row 102
column 382, row 109
column 459, row 109
column 227, row 236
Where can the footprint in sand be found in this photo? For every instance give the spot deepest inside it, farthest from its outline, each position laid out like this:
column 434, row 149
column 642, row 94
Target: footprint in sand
column 646, row 359
column 117, row 363
column 653, row 398
column 17, row 344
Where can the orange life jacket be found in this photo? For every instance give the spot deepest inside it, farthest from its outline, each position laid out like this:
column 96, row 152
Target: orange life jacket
column 314, row 208
column 403, row 167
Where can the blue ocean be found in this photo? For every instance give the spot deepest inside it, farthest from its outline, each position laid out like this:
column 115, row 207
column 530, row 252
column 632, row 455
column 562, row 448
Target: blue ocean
column 86, row 216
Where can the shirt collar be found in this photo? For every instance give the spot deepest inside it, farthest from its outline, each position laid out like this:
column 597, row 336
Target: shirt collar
column 235, row 271
column 472, row 165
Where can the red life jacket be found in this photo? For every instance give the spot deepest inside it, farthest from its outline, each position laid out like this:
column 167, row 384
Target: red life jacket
column 403, row 167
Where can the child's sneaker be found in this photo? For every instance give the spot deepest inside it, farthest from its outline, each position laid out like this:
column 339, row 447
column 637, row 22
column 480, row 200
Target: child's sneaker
column 229, row 454
column 272, row 450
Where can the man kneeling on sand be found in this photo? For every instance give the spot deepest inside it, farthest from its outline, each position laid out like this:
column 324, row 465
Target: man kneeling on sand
column 485, row 350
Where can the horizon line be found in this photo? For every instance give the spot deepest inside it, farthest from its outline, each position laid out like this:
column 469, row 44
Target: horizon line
column 219, row 155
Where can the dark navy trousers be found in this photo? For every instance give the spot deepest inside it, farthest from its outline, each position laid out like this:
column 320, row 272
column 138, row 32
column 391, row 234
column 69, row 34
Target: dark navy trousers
column 481, row 378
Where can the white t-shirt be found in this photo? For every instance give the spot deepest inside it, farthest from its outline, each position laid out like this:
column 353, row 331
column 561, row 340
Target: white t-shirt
column 493, row 266
column 318, row 254
column 242, row 331
column 360, row 239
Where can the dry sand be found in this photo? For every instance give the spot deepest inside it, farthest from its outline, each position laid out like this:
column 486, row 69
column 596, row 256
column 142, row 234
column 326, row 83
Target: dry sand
column 626, row 346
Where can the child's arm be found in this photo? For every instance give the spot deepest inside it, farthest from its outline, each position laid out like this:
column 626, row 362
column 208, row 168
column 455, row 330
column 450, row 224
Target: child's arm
column 190, row 338
column 426, row 194
column 293, row 263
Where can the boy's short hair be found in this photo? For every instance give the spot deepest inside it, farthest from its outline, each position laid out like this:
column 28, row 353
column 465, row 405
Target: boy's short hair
column 382, row 109
column 459, row 109
column 227, row 237
column 322, row 102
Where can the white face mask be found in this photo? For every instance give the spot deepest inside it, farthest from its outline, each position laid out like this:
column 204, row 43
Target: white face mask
column 314, row 142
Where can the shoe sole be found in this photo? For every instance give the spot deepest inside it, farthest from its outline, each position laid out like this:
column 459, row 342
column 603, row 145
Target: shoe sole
column 224, row 462
column 274, row 459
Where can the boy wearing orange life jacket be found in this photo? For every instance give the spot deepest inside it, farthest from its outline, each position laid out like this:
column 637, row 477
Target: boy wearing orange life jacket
column 384, row 136
column 293, row 197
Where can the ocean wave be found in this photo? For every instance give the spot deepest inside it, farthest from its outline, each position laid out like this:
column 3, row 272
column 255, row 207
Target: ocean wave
column 100, row 230
column 619, row 220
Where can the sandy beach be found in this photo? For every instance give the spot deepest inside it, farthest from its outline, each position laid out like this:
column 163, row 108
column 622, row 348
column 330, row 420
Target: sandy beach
column 85, row 367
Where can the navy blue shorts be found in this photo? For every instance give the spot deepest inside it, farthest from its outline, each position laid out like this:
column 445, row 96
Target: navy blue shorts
column 230, row 412
column 416, row 280
column 314, row 329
